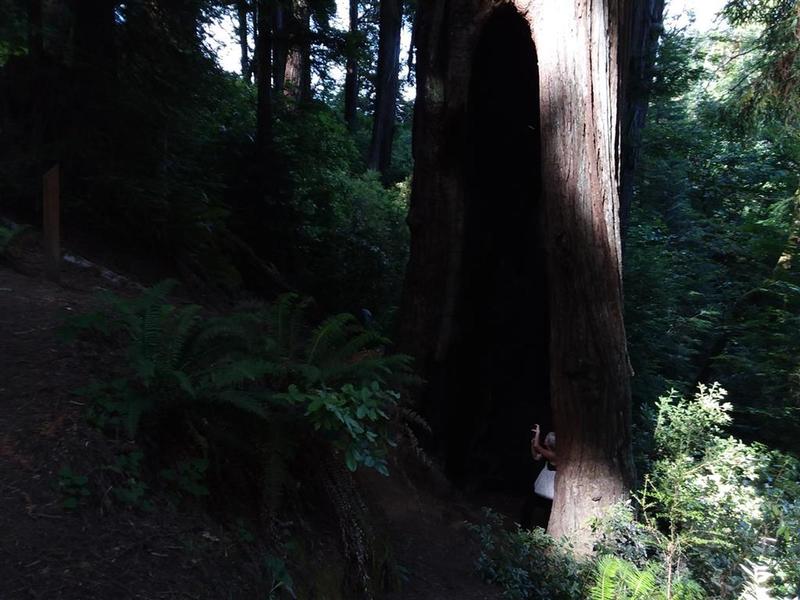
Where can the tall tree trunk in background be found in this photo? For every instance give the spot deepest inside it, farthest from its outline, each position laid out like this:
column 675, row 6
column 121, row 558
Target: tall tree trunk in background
column 263, row 60
column 89, row 131
column 241, row 30
column 572, row 238
column 35, row 37
column 292, row 51
column 351, row 69
column 386, row 85
column 297, row 81
column 647, row 26
column 280, row 46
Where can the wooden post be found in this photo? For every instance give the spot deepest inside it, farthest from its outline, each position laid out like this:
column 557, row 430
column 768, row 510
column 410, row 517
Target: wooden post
column 51, row 222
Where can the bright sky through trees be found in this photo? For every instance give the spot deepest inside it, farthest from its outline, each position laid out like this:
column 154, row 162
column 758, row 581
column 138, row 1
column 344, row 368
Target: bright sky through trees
column 705, row 11
column 221, row 37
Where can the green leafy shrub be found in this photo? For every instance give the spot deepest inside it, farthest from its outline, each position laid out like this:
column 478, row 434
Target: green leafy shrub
column 528, row 564
column 73, row 487
column 188, row 477
column 710, row 505
column 131, row 491
column 339, row 232
column 8, row 235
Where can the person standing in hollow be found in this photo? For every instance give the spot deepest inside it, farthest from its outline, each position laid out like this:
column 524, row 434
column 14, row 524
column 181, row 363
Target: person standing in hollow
column 537, row 505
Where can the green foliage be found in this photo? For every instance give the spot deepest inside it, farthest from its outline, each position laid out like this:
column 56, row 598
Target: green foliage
column 131, row 491
column 12, row 30
column 336, row 228
column 217, row 381
column 527, row 563
column 188, row 477
column 354, row 418
column 73, row 487
column 8, row 236
column 617, row 579
column 710, row 505
column 175, row 358
column 712, row 216
column 280, row 579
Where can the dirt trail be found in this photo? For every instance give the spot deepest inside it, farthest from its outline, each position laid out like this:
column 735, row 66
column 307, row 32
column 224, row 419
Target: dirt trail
column 100, row 551
column 46, row 551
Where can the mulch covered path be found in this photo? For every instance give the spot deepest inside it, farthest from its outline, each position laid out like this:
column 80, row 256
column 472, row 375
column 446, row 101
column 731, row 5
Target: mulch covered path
column 97, row 550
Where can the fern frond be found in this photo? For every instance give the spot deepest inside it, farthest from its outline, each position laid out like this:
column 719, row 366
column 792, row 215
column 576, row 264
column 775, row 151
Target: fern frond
column 236, row 372
column 174, row 340
column 244, row 401
column 331, row 331
column 413, row 417
column 606, row 578
column 287, row 318
column 378, row 368
column 150, row 333
column 363, row 341
column 642, row 584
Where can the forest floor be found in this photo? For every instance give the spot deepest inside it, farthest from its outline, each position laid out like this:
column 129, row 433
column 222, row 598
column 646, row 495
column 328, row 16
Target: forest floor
column 99, row 550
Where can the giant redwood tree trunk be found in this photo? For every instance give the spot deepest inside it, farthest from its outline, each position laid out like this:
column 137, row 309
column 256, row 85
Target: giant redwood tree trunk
column 513, row 300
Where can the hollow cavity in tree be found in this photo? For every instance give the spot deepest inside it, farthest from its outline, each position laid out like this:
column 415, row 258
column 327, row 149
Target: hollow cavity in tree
column 498, row 367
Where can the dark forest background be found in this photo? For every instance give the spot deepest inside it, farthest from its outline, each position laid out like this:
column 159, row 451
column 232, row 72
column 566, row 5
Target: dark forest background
column 290, row 179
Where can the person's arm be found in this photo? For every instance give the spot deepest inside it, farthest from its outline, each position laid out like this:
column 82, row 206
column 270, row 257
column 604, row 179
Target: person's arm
column 549, row 455
column 535, row 443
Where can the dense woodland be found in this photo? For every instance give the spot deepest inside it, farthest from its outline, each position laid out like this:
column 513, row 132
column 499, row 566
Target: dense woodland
column 353, row 274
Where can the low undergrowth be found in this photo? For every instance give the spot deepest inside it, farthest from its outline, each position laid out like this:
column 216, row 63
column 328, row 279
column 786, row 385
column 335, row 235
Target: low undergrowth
column 714, row 518
column 251, row 413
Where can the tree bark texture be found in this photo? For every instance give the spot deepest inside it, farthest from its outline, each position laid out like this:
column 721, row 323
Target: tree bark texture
column 280, row 47
column 387, row 85
column 244, row 48
column 581, row 48
column 297, row 71
column 292, row 51
column 351, row 69
column 263, row 77
column 647, row 26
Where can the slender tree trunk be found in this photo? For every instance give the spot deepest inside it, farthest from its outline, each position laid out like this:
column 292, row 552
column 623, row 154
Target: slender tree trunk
column 298, row 62
column 241, row 30
column 264, row 75
column 351, row 69
column 386, row 86
column 280, row 47
column 581, row 57
column 411, row 47
column 648, row 24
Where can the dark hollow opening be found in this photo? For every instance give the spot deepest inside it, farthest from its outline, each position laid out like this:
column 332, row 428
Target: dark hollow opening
column 498, row 367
